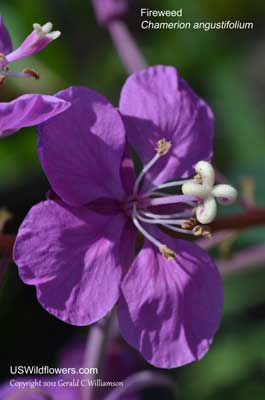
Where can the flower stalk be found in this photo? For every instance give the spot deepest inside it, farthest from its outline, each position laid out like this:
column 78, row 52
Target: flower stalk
column 97, row 342
column 251, row 217
column 126, row 47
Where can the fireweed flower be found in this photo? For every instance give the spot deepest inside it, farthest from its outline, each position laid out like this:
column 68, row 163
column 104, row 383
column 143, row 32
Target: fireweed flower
column 78, row 247
column 36, row 41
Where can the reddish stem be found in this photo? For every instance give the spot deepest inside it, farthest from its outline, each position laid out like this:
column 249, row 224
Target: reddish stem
column 251, row 217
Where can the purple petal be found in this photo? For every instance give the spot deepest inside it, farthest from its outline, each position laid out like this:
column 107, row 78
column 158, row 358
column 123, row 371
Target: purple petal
column 127, row 245
column 155, row 104
column 81, row 151
column 29, row 110
column 5, row 40
column 72, row 256
column 107, row 10
column 170, row 310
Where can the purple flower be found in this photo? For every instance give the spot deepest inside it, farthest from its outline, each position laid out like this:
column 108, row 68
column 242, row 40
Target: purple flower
column 28, row 110
column 107, row 10
column 37, row 40
column 78, row 247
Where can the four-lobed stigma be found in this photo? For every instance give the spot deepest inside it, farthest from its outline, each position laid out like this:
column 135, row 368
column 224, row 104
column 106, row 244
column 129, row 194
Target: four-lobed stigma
column 192, row 210
column 202, row 186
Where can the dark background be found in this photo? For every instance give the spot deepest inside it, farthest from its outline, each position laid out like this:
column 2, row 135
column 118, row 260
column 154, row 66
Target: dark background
column 224, row 67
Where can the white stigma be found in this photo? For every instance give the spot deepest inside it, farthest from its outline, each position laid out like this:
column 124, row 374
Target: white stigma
column 206, row 171
column 200, row 200
column 46, row 30
column 208, row 193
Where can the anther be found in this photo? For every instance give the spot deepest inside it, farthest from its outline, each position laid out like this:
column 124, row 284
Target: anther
column 197, row 230
column 163, row 146
column 167, row 252
column 206, row 232
column 202, row 230
column 189, row 224
column 31, row 72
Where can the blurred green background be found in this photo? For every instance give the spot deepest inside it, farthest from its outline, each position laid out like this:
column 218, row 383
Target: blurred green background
column 224, row 67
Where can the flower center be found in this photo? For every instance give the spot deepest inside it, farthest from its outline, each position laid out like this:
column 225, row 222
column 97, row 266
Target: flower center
column 194, row 208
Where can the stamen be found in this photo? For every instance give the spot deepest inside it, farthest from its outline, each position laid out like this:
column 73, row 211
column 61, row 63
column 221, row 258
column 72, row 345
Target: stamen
column 15, row 74
column 167, row 252
column 166, row 216
column 146, row 234
column 161, row 194
column 189, row 224
column 161, row 221
column 179, row 230
column 207, row 232
column 163, row 146
column 200, row 230
column 31, row 73
column 144, row 171
column 151, row 193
